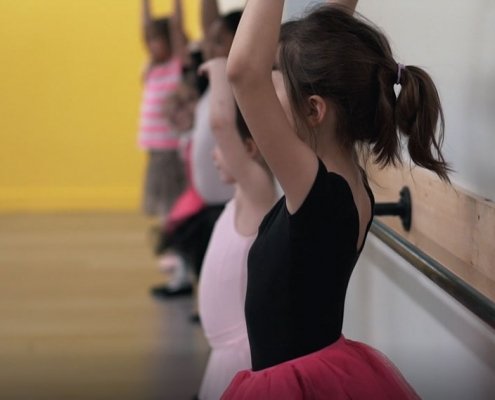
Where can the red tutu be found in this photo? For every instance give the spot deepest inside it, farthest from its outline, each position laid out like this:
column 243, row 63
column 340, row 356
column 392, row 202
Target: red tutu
column 344, row 370
column 188, row 204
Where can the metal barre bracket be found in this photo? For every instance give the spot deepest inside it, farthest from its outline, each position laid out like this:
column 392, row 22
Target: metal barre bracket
column 402, row 209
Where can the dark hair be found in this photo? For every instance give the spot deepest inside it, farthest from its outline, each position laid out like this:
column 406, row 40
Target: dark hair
column 231, row 21
column 190, row 72
column 349, row 62
column 159, row 28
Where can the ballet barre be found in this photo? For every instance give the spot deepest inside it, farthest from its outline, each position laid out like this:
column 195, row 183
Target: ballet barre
column 402, row 208
column 471, row 298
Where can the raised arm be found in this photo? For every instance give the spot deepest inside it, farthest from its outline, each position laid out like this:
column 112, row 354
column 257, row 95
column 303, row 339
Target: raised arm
column 178, row 38
column 249, row 69
column 223, row 123
column 209, row 13
column 145, row 16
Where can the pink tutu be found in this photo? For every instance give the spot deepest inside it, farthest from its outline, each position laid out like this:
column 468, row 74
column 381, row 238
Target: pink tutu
column 188, row 204
column 344, row 370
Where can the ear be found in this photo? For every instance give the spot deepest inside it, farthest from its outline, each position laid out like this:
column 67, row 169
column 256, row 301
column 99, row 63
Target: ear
column 318, row 109
column 251, row 147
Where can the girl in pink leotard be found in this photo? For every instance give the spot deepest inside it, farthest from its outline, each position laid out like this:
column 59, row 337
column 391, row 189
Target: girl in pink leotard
column 223, row 279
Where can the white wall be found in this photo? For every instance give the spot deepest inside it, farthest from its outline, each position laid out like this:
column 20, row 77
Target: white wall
column 228, row 5
column 443, row 349
column 292, row 7
column 455, row 41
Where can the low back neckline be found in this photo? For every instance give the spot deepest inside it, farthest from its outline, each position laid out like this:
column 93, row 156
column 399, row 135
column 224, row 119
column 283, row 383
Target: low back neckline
column 359, row 247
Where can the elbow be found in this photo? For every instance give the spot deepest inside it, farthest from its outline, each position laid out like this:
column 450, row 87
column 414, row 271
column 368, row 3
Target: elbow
column 235, row 71
column 244, row 73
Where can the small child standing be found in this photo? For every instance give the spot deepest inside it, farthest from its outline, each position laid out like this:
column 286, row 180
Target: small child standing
column 179, row 224
column 165, row 43
column 222, row 285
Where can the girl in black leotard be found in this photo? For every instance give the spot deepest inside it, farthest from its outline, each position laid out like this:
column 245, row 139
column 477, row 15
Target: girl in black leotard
column 313, row 93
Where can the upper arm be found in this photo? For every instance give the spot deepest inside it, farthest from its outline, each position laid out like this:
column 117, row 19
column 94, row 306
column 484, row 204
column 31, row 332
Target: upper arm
column 145, row 18
column 291, row 160
column 178, row 38
column 223, row 122
column 249, row 68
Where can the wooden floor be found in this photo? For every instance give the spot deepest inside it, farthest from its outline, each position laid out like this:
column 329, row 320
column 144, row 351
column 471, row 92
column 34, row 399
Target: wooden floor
column 76, row 319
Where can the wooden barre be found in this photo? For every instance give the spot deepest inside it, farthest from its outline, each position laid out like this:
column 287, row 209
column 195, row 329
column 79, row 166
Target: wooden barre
column 452, row 226
column 476, row 302
column 401, row 209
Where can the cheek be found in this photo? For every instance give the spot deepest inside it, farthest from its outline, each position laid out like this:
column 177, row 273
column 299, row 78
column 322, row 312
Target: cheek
column 282, row 96
column 217, row 159
column 158, row 48
column 285, row 105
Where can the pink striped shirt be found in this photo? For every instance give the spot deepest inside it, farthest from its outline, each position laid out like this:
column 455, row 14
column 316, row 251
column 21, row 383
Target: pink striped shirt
column 160, row 82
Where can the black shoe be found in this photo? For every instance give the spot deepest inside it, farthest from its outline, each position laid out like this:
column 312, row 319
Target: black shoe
column 165, row 292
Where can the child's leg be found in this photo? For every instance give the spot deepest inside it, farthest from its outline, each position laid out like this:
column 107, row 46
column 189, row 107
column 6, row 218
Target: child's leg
column 164, row 182
column 174, row 267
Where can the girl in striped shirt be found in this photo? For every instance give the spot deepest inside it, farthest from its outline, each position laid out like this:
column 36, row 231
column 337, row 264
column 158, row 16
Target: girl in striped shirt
column 166, row 46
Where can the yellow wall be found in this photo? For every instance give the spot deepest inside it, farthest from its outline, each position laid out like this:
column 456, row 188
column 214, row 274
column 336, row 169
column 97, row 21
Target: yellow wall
column 69, row 100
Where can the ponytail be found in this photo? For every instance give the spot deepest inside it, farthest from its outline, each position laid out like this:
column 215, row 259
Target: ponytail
column 418, row 113
column 352, row 66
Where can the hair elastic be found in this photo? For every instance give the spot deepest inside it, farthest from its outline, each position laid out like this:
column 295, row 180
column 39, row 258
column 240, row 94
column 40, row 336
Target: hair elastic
column 400, row 68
